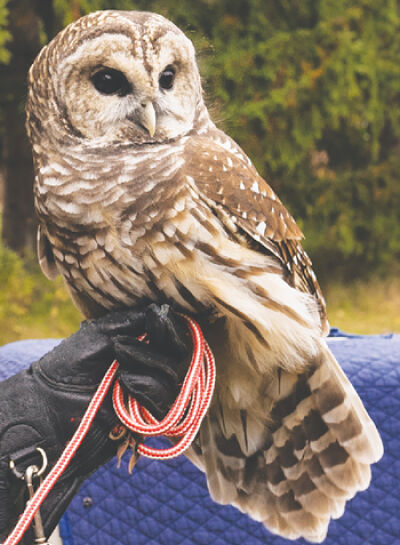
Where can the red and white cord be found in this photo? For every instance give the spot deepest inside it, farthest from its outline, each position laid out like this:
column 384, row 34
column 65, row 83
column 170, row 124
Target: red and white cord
column 183, row 420
column 185, row 416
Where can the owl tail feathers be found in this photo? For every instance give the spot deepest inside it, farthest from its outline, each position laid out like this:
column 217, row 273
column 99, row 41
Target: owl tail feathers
column 323, row 443
column 325, row 448
column 316, row 454
column 344, row 413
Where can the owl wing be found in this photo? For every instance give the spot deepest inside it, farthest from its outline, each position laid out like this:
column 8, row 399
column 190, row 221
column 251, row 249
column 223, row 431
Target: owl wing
column 318, row 447
column 315, row 441
column 227, row 178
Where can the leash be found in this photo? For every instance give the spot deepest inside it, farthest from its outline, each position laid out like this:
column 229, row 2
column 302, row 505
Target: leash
column 183, row 420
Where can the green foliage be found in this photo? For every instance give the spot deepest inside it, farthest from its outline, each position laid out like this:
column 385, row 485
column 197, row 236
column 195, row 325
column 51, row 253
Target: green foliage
column 4, row 34
column 68, row 11
column 310, row 89
column 30, row 305
column 365, row 307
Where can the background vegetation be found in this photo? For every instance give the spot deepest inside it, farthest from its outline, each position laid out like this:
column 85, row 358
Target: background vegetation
column 309, row 88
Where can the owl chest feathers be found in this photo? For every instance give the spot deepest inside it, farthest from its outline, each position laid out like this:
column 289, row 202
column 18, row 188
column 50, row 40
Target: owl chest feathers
column 143, row 231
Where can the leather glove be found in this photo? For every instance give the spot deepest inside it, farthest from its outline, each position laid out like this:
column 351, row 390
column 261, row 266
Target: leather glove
column 43, row 405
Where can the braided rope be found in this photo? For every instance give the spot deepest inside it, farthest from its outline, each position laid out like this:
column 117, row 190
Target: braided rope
column 33, row 505
column 185, row 416
column 183, row 420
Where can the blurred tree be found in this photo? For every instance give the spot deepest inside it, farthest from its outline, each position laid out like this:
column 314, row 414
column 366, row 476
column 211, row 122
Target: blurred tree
column 24, row 28
column 4, row 34
column 311, row 90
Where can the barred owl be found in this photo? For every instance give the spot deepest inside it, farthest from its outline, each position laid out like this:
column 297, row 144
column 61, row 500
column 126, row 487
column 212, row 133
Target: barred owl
column 140, row 197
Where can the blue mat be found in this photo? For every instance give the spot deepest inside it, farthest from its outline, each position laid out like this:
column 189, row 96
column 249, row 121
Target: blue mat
column 167, row 503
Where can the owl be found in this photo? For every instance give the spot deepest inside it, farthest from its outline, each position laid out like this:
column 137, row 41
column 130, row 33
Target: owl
column 141, row 198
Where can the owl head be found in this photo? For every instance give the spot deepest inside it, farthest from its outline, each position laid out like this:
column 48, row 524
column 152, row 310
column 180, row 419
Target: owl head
column 115, row 77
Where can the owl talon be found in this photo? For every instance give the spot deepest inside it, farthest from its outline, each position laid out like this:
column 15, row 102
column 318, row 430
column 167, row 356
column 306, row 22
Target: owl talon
column 118, row 433
column 132, row 443
column 121, row 451
column 133, row 459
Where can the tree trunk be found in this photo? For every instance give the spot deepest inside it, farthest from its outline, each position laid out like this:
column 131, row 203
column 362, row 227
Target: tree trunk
column 19, row 223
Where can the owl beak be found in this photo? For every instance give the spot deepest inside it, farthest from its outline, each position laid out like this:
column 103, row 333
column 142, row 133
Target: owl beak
column 147, row 118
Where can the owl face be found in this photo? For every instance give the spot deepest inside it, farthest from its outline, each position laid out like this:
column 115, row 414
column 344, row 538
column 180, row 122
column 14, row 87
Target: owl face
column 122, row 77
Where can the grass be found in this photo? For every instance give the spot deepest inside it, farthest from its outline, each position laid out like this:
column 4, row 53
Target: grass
column 30, row 305
column 367, row 307
column 33, row 307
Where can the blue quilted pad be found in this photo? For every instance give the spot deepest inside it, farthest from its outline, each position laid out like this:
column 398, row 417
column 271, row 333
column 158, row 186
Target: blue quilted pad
column 167, row 503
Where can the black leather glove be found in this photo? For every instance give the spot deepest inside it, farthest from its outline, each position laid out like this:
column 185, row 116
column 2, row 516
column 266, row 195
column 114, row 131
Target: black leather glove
column 43, row 405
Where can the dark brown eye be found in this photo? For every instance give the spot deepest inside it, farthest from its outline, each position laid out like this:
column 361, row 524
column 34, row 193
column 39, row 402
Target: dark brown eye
column 111, row 82
column 167, row 77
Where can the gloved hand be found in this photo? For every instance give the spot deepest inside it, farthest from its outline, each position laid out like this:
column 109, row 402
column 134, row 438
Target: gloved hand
column 43, row 405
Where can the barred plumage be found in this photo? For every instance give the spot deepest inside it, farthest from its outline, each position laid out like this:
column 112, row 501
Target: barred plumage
column 141, row 198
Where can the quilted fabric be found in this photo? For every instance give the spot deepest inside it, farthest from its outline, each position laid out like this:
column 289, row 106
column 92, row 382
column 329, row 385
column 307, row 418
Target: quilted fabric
column 167, row 503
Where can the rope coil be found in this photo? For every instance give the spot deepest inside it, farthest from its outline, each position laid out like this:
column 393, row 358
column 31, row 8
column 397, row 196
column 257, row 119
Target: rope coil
column 183, row 420
column 186, row 414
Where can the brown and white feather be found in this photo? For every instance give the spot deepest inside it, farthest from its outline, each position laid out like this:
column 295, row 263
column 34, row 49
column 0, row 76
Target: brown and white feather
column 182, row 216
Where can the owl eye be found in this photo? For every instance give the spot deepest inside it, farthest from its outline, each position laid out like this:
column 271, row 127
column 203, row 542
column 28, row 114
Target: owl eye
column 111, row 82
column 167, row 77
